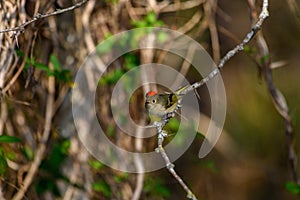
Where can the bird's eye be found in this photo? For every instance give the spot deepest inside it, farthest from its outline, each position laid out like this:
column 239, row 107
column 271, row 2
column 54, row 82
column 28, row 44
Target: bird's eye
column 153, row 100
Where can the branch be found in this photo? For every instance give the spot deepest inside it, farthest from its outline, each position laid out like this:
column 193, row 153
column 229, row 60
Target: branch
column 255, row 28
column 277, row 97
column 38, row 16
column 42, row 145
column 170, row 166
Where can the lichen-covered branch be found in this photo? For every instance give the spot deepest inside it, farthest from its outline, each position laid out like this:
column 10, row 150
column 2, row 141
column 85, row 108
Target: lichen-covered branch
column 170, row 166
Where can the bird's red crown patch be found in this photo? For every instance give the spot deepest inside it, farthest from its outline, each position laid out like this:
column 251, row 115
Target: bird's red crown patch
column 151, row 93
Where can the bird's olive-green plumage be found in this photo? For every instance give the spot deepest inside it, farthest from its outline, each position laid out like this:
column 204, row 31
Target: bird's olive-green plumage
column 159, row 105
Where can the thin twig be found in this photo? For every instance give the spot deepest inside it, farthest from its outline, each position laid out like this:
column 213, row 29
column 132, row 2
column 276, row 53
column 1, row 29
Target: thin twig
column 170, row 166
column 39, row 16
column 277, row 97
column 191, row 23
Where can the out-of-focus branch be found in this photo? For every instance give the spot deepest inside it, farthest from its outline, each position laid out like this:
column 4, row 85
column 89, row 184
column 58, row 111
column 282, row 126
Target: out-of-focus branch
column 39, row 16
column 277, row 97
column 42, row 145
column 210, row 11
column 138, row 143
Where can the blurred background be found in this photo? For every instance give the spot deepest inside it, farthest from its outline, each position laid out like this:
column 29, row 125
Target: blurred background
column 41, row 156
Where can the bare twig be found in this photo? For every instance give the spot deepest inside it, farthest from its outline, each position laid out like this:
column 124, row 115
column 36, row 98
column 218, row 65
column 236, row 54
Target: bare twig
column 39, row 16
column 191, row 23
column 277, row 97
column 170, row 166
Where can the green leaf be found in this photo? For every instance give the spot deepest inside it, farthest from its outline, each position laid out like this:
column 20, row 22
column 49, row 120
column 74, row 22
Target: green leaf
column 3, row 162
column 102, row 187
column 55, row 62
column 131, row 61
column 248, row 49
column 28, row 152
column 200, row 136
column 95, row 164
column 173, row 125
column 162, row 37
column 9, row 139
column 57, row 156
column 65, row 146
column 139, row 24
column 264, row 58
column 113, row 77
column 121, row 177
column 41, row 66
column 105, row 46
column 11, row 155
column 151, row 18
column 155, row 187
column 292, row 187
column 110, row 130
column 44, row 184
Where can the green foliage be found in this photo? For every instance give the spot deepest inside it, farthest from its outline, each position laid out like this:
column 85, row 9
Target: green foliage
column 292, row 187
column 62, row 75
column 172, row 126
column 44, row 185
column 150, row 20
column 106, row 45
column 131, row 61
column 28, row 152
column 9, row 139
column 264, row 58
column 50, row 168
column 6, row 155
column 210, row 165
column 103, row 187
column 56, row 157
column 250, row 50
column 111, row 78
column 3, row 162
column 95, row 164
column 200, row 136
column 110, row 130
column 155, row 187
column 121, row 177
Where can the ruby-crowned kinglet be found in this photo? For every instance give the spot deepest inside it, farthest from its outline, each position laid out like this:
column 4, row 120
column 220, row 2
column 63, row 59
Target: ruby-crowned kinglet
column 159, row 107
